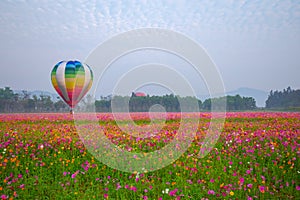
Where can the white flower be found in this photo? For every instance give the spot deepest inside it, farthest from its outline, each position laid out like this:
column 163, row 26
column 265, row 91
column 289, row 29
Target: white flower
column 166, row 191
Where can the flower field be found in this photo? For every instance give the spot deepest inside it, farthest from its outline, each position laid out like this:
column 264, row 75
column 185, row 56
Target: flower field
column 256, row 157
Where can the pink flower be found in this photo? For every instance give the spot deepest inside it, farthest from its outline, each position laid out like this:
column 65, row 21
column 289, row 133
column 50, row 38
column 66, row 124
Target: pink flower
column 211, row 192
column 298, row 187
column 249, row 198
column 133, row 188
column 118, row 186
column 145, row 197
column 249, row 185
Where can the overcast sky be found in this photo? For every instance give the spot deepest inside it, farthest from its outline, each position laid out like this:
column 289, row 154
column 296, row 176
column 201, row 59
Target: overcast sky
column 254, row 44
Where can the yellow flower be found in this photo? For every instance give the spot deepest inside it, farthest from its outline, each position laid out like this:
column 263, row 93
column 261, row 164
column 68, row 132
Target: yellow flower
column 231, row 193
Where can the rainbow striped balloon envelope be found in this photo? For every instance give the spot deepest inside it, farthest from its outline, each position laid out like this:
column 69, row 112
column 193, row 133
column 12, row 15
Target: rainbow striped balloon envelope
column 71, row 80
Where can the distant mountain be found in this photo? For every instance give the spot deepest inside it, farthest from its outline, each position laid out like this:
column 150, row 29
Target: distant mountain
column 38, row 93
column 259, row 95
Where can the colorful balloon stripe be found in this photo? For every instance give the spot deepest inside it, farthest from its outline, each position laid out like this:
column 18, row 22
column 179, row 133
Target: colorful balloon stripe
column 72, row 80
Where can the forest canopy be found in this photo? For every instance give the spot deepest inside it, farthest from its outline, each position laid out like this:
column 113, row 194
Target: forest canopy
column 11, row 101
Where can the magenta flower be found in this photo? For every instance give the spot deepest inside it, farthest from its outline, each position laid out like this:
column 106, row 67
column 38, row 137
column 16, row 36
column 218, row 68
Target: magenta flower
column 105, row 196
column 262, row 189
column 173, row 192
column 298, row 187
column 249, row 185
column 75, row 174
column 85, row 166
column 3, row 196
column 242, row 181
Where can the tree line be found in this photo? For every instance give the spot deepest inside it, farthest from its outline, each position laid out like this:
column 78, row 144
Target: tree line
column 288, row 99
column 172, row 103
column 15, row 102
column 11, row 102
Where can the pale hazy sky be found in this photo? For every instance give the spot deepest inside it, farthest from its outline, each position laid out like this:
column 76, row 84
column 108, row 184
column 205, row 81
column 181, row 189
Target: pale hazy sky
column 253, row 43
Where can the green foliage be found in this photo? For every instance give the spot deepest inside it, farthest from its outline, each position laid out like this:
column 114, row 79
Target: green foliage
column 170, row 103
column 17, row 103
column 233, row 103
column 285, row 99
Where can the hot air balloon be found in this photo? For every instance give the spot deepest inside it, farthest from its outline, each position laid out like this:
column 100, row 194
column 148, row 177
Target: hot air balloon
column 71, row 80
